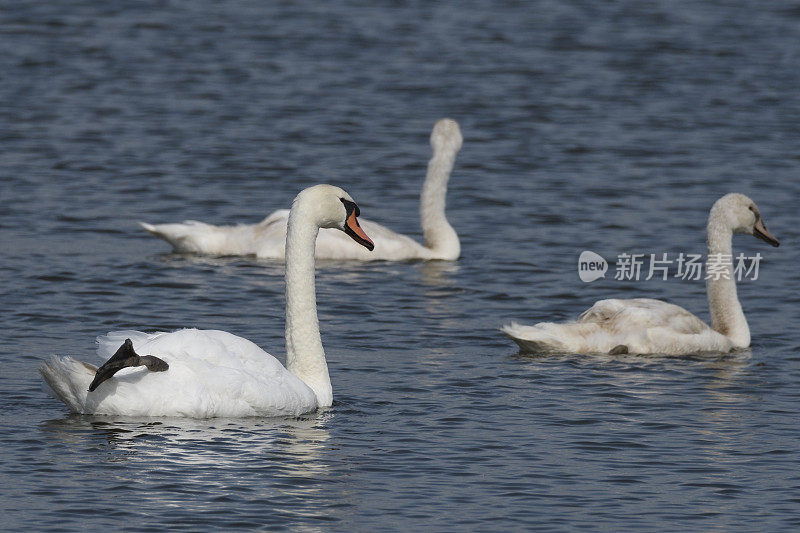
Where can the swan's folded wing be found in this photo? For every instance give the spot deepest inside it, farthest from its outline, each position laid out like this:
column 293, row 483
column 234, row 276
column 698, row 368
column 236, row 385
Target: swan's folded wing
column 602, row 311
column 211, row 346
column 279, row 216
column 211, row 373
column 619, row 316
column 682, row 321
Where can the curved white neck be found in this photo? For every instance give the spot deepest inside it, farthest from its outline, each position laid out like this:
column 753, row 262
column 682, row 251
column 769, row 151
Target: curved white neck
column 727, row 316
column 440, row 237
column 305, row 357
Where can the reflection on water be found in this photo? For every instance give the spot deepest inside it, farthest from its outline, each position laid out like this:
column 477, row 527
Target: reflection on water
column 165, row 460
column 437, row 273
column 438, row 288
column 727, row 383
column 299, row 439
column 653, row 375
column 228, row 266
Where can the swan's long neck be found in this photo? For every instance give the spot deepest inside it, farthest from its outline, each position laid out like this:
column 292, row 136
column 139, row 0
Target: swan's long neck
column 305, row 356
column 727, row 316
column 440, row 237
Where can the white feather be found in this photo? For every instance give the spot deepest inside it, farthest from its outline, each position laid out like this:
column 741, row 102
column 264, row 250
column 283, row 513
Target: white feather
column 211, row 373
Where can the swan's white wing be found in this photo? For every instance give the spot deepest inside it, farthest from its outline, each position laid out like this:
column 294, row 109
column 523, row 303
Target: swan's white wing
column 645, row 325
column 211, row 373
column 618, row 316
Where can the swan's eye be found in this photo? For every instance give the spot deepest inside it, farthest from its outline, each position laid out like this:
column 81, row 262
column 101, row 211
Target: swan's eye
column 755, row 211
column 351, row 207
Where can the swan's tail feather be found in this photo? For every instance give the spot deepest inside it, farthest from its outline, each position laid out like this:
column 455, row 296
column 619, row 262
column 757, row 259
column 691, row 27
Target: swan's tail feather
column 539, row 338
column 69, row 380
column 168, row 232
column 149, row 227
column 172, row 233
column 570, row 337
column 195, row 237
column 182, row 237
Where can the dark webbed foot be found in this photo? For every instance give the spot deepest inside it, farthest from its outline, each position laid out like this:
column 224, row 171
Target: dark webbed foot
column 619, row 349
column 123, row 358
column 153, row 363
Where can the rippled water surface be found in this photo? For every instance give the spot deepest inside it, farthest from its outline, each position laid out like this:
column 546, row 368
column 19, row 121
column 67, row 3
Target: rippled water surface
column 609, row 127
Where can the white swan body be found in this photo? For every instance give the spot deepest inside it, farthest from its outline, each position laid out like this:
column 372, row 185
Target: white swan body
column 267, row 239
column 643, row 325
column 211, row 373
column 217, row 374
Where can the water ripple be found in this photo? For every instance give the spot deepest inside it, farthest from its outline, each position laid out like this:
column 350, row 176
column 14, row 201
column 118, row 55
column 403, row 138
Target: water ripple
column 610, row 128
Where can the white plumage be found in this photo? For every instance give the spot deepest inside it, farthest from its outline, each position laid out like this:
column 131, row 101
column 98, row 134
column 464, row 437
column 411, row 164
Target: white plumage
column 218, row 374
column 643, row 325
column 211, row 373
column 267, row 239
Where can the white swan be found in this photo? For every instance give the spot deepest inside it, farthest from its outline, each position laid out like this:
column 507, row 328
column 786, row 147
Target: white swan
column 266, row 239
column 644, row 325
column 214, row 373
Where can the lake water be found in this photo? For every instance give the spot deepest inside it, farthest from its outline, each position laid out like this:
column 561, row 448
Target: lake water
column 609, row 127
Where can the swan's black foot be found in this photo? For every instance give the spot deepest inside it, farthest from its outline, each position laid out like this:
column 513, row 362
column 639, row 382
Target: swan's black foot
column 123, row 358
column 618, row 350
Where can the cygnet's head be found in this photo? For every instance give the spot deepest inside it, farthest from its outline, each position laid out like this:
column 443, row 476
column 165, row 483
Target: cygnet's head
column 332, row 207
column 741, row 214
column 446, row 132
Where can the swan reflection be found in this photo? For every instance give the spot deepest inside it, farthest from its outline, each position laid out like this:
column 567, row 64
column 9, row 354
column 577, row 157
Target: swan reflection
column 652, row 375
column 297, row 443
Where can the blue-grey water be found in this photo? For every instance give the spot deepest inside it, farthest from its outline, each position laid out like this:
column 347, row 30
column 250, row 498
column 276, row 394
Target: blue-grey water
column 604, row 126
